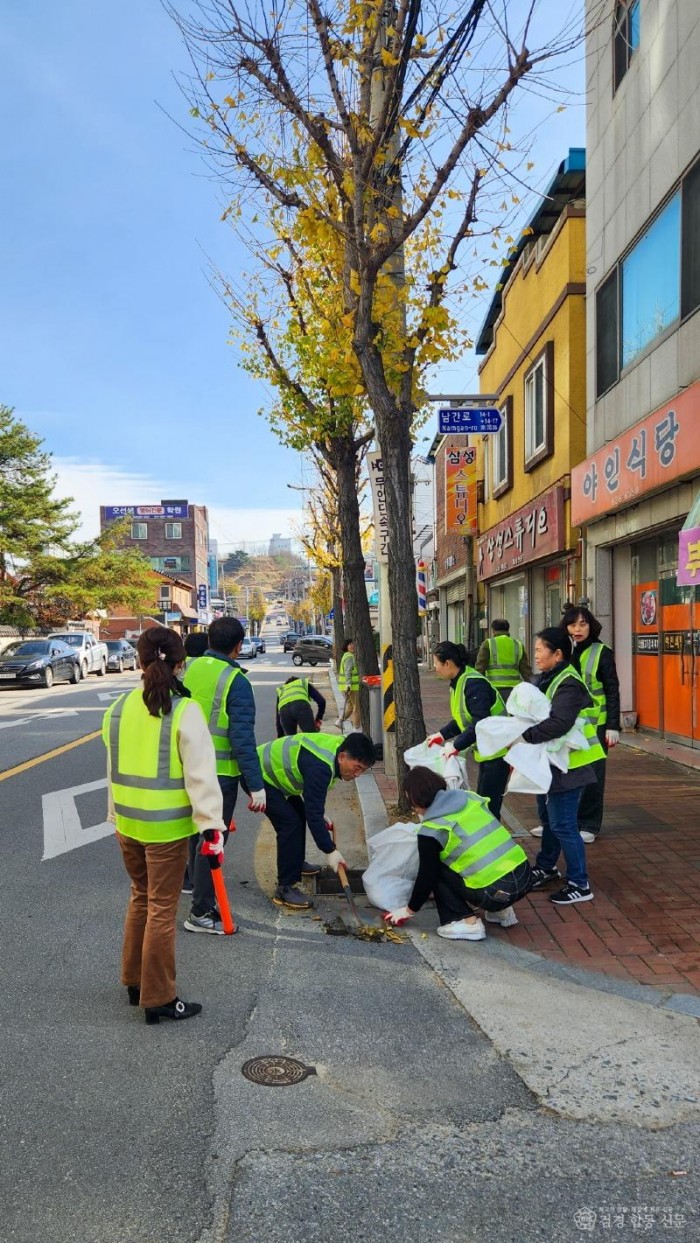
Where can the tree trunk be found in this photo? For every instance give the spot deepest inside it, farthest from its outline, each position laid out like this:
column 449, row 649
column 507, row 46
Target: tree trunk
column 359, row 626
column 338, row 619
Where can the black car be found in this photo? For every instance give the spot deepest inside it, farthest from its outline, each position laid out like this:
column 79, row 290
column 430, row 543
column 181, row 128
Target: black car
column 120, row 655
column 290, row 640
column 39, row 661
column 259, row 644
column 312, row 649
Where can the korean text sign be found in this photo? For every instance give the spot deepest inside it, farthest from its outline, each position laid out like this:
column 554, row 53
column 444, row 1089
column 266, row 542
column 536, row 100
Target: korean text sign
column 381, row 528
column 112, row 512
column 689, row 558
column 537, row 530
column 654, row 452
column 460, row 491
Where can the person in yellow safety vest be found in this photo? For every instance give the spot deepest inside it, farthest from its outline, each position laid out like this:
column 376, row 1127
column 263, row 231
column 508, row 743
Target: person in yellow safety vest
column 349, row 684
column 298, row 773
column 162, row 791
column 196, row 645
column 294, row 709
column 502, row 659
column 223, row 691
column 596, row 664
column 472, row 699
column 558, row 809
column 466, row 859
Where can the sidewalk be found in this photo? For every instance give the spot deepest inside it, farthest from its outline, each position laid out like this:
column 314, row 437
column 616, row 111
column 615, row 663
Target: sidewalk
column 644, row 924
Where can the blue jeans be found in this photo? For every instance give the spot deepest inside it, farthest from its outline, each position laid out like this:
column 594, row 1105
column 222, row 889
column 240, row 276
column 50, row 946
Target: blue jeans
column 559, row 819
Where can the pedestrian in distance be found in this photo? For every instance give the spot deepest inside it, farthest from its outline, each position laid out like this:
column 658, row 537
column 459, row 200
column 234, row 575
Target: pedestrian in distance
column 163, row 793
column 596, row 664
column 466, row 859
column 298, row 773
column 503, row 660
column 221, row 688
column 196, row 645
column 558, row 809
column 294, row 707
column 472, row 699
column 349, row 683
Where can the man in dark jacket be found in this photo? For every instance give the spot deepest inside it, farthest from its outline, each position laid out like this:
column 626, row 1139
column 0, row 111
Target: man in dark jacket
column 232, row 725
column 294, row 711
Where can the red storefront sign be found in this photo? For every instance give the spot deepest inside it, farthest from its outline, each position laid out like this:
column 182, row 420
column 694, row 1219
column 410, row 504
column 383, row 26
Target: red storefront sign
column 533, row 532
column 661, row 448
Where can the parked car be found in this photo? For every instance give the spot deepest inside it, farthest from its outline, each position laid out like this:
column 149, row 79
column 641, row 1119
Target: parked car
column 92, row 655
column 312, row 649
column 120, row 655
column 132, row 643
column 259, row 644
column 248, row 649
column 39, row 661
column 290, row 640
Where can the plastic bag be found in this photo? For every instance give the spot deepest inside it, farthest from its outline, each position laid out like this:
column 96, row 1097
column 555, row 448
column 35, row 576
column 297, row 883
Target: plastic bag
column 427, row 757
column 455, row 773
column 393, row 866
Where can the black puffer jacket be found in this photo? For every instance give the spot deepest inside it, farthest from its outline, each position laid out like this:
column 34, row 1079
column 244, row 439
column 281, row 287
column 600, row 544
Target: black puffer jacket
column 607, row 673
column 570, row 698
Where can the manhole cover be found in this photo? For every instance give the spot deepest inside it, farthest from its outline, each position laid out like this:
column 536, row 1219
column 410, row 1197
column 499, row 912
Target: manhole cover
column 276, row 1072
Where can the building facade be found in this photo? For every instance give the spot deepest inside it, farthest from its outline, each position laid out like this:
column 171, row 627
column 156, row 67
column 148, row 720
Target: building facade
column 641, row 477
column 533, row 342
column 452, row 600
column 174, row 536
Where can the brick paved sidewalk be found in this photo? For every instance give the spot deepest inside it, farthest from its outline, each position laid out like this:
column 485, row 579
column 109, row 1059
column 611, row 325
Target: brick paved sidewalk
column 644, row 923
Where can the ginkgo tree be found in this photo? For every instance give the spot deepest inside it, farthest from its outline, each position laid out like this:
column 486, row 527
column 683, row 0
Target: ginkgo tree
column 376, row 122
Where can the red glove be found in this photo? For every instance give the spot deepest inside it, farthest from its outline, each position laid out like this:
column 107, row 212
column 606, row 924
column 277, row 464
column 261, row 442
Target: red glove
column 435, row 740
column 213, row 847
column 319, row 723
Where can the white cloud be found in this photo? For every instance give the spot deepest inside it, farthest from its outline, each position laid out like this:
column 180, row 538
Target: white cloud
column 92, row 484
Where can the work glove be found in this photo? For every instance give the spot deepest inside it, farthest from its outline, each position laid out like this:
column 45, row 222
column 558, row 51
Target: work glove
column 258, row 800
column 450, row 752
column 334, row 860
column 435, row 740
column 329, row 825
column 400, row 915
column 319, row 723
column 612, row 737
column 213, row 847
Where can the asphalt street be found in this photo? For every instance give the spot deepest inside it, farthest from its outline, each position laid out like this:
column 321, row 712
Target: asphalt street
column 411, row 1126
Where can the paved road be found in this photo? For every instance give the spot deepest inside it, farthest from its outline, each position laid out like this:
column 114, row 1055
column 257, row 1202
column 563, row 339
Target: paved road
column 111, row 1131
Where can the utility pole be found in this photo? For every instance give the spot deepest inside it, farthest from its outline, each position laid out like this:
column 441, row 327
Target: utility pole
column 395, row 269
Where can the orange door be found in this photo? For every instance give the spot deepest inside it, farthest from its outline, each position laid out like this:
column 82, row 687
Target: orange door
column 646, row 654
column 680, row 660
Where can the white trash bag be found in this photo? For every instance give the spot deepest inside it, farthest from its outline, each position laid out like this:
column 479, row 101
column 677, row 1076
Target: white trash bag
column 393, row 866
column 454, row 769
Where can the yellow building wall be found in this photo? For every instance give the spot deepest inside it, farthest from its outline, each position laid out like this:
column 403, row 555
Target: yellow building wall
column 533, row 290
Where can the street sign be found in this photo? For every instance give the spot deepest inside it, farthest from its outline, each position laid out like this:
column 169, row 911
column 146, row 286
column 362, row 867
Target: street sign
column 477, row 420
column 331, row 615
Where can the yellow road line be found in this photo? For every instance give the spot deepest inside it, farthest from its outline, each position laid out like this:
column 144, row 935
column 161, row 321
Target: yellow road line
column 49, row 755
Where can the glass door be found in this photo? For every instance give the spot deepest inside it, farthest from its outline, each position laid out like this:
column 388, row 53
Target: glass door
column 680, row 649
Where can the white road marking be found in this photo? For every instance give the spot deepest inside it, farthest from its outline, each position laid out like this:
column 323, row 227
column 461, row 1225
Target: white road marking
column 110, row 694
column 62, row 828
column 51, row 713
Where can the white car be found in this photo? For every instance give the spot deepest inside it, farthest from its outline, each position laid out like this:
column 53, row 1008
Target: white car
column 249, row 649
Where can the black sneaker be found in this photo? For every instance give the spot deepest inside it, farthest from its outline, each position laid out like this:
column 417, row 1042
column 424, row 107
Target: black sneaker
column 310, row 869
column 544, row 876
column 175, row 1009
column 570, row 894
column 292, row 897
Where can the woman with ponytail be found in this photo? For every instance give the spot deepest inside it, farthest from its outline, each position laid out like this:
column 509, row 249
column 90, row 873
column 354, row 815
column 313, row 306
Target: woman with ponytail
column 163, row 789
column 472, row 699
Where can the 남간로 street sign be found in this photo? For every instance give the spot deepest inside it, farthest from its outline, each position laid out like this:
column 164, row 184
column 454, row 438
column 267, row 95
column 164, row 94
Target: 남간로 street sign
column 477, row 420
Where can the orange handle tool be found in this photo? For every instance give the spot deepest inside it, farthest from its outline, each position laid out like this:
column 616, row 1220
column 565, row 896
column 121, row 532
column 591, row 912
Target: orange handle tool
column 222, row 901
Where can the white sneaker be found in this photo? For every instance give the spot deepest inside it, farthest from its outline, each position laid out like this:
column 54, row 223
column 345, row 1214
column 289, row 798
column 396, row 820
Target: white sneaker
column 537, row 831
column 586, row 836
column 460, row 930
column 338, row 723
column 507, row 918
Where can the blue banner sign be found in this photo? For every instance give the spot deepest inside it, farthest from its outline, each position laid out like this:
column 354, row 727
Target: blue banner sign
column 202, row 596
column 179, row 510
column 476, row 420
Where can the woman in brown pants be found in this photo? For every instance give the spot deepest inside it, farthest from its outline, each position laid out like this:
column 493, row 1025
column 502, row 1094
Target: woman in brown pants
column 163, row 789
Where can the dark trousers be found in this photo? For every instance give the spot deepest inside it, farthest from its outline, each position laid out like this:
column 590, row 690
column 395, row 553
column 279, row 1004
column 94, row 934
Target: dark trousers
column 590, row 810
column 287, row 815
column 455, row 901
column 203, row 899
column 297, row 716
column 492, row 782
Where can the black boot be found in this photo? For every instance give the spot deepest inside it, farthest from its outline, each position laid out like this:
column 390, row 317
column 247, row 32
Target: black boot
column 174, row 1009
column 134, row 994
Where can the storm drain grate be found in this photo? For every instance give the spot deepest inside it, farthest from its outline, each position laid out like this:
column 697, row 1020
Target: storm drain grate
column 276, row 1072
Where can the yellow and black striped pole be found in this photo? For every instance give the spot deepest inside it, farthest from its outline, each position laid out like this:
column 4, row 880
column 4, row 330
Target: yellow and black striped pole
column 388, row 705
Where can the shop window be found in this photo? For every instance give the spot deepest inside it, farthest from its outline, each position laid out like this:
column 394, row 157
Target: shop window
column 173, row 530
column 625, row 37
column 139, row 530
column 539, row 408
column 502, row 452
column 690, row 239
column 607, row 342
column 650, row 284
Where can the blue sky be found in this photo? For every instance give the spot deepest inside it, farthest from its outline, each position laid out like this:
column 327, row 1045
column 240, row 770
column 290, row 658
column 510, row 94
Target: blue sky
column 113, row 346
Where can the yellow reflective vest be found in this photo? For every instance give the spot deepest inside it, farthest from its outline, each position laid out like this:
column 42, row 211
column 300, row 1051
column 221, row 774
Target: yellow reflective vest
column 461, row 713
column 505, row 655
column 474, row 844
column 588, row 663
column 146, row 773
column 348, row 674
column 279, row 760
column 293, row 692
column 587, row 719
column 209, row 680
